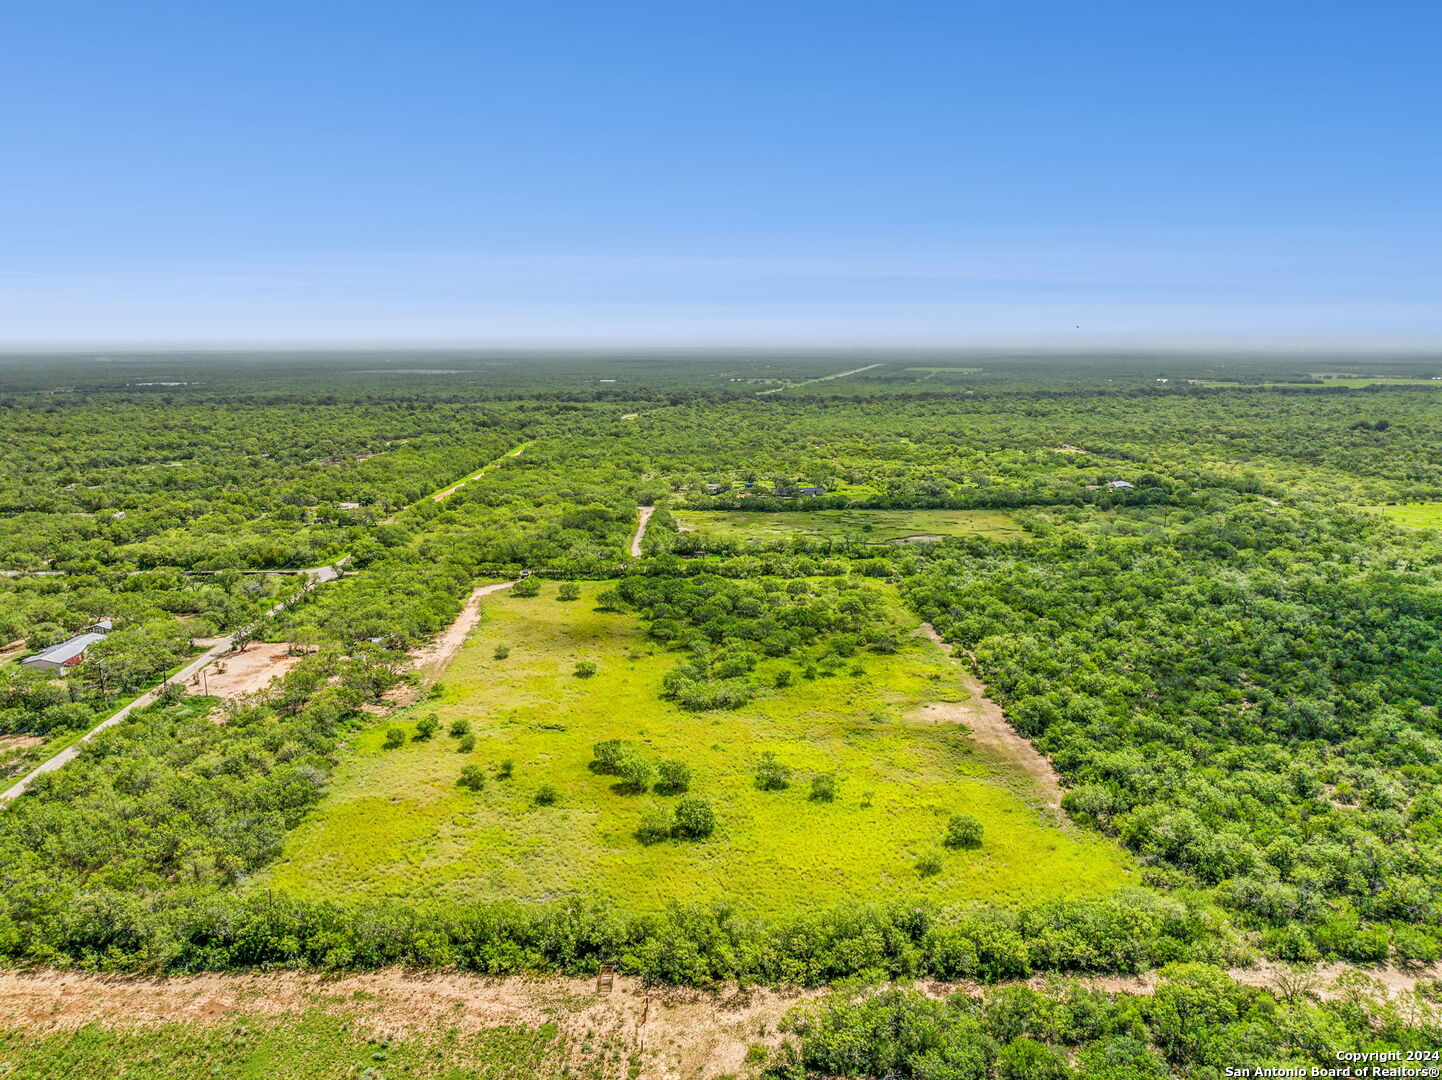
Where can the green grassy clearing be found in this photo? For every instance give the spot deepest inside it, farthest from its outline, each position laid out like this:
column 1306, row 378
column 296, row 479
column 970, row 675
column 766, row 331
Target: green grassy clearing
column 869, row 526
column 320, row 1044
column 1413, row 515
column 396, row 824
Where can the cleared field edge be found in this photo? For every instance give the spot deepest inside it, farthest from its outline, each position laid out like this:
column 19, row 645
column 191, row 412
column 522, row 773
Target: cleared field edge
column 394, row 824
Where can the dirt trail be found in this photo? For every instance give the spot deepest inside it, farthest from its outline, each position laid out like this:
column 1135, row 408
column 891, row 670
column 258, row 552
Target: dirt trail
column 646, row 512
column 989, row 728
column 678, row 1033
column 441, row 495
column 433, row 658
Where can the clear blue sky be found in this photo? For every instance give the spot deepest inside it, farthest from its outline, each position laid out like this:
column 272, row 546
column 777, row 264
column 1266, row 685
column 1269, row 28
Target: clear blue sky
column 718, row 173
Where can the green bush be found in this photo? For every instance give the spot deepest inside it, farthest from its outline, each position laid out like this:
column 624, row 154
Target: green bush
column 585, row 669
column 527, row 587
column 929, row 865
column 569, row 590
column 460, row 727
column 695, row 820
column 636, row 774
column 606, row 756
column 823, row 787
column 427, row 726
column 395, row 737
column 502, row 651
column 771, row 775
column 547, row 795
column 466, row 744
column 673, row 777
column 505, row 769
column 472, row 777
column 655, row 826
column 962, row 831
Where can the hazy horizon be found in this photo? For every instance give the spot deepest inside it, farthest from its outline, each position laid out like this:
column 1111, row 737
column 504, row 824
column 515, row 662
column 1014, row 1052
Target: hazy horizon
column 765, row 175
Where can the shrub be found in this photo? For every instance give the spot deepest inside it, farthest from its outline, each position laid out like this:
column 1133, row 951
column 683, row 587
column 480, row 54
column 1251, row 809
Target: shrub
column 608, row 755
column 547, row 794
column 394, row 737
column 585, row 669
column 502, row 651
column 460, row 727
column 636, row 774
column 527, row 587
column 929, row 865
column 673, row 777
column 466, row 744
column 472, row 777
column 963, row 831
column 569, row 590
column 771, row 775
column 823, row 787
column 783, row 678
column 427, row 726
column 506, row 769
column 695, row 819
column 655, row 826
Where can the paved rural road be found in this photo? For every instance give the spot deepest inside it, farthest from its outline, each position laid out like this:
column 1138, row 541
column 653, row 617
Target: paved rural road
column 316, row 575
column 646, row 512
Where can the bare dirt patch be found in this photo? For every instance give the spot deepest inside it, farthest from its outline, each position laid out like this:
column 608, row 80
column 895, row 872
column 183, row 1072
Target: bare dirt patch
column 19, row 742
column 679, row 1034
column 244, row 672
column 676, row 1033
column 433, row 658
column 989, row 728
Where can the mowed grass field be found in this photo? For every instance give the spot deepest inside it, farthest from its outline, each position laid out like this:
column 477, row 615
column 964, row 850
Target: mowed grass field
column 395, row 823
column 868, row 526
column 1413, row 515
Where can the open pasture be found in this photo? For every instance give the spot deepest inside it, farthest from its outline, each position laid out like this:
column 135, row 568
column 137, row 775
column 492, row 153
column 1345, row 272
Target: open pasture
column 865, row 526
column 397, row 824
column 1426, row 515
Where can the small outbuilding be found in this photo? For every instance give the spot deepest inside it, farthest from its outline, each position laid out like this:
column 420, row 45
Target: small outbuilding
column 1119, row 484
column 60, row 658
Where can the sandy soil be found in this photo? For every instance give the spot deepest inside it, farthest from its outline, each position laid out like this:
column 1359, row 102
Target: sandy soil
column 679, row 1034
column 434, row 657
column 245, row 672
column 11, row 651
column 989, row 728
column 19, row 742
column 646, row 512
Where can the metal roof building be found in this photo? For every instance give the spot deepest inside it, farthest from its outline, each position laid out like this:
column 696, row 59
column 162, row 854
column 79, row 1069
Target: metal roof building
column 66, row 654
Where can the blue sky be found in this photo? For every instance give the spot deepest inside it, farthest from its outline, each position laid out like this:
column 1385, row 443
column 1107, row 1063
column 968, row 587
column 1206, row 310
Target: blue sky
column 725, row 173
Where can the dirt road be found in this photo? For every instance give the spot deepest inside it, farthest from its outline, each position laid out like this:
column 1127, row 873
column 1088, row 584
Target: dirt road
column 674, row 1033
column 989, row 727
column 646, row 512
column 432, row 659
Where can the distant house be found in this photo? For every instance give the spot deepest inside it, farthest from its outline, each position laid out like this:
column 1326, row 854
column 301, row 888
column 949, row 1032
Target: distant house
column 811, row 491
column 66, row 655
column 1119, row 484
column 714, row 488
